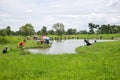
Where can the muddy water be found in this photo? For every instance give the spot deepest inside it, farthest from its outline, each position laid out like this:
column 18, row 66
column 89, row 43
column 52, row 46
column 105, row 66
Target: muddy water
column 64, row 46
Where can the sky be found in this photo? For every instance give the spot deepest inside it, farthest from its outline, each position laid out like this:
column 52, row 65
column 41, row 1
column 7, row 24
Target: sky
column 72, row 13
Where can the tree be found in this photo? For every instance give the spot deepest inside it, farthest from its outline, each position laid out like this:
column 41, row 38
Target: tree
column 71, row 31
column 91, row 27
column 83, row 32
column 13, row 33
column 18, row 32
column 59, row 28
column 3, row 32
column 44, row 30
column 8, row 30
column 115, row 28
column 27, row 29
column 109, row 29
column 50, row 32
column 39, row 33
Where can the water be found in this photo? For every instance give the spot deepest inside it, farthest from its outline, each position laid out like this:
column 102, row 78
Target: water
column 64, row 46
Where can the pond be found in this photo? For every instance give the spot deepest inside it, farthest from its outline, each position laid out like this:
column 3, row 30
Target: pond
column 63, row 46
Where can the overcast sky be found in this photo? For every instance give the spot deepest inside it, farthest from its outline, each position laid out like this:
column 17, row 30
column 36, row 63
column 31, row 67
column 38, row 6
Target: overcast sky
column 72, row 13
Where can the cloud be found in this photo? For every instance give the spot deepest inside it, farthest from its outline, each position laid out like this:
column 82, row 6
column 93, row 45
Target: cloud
column 113, row 3
column 77, row 14
column 5, row 15
column 28, row 10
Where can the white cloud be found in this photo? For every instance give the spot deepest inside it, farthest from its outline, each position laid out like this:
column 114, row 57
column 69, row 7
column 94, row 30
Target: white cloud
column 5, row 15
column 113, row 3
column 71, row 13
column 28, row 10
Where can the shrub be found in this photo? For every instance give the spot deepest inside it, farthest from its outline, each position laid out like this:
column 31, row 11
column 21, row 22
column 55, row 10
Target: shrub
column 3, row 40
column 25, row 53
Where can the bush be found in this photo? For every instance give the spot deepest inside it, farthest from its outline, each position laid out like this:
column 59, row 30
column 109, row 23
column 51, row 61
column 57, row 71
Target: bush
column 25, row 53
column 3, row 40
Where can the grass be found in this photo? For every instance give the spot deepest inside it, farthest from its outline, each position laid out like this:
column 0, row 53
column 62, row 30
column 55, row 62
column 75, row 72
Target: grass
column 34, row 44
column 12, row 43
column 87, row 36
column 97, row 36
column 100, row 61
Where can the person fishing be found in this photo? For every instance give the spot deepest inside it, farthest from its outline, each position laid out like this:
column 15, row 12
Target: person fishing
column 87, row 42
column 5, row 50
column 21, row 44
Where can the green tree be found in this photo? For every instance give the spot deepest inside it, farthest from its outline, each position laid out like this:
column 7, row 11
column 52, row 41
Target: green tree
column 115, row 28
column 91, row 27
column 38, row 32
column 71, row 31
column 109, row 29
column 13, row 33
column 27, row 29
column 44, row 30
column 105, row 29
column 83, row 32
column 8, row 30
column 59, row 28
column 51, row 32
column 3, row 32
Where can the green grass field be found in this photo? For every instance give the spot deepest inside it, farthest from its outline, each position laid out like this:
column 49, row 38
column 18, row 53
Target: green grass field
column 88, row 36
column 100, row 61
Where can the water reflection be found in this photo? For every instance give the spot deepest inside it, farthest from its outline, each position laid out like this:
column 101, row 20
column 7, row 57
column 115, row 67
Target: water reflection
column 64, row 46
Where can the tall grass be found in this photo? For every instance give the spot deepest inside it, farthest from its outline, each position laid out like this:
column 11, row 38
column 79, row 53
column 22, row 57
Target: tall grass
column 10, row 39
column 87, row 36
column 100, row 61
column 34, row 44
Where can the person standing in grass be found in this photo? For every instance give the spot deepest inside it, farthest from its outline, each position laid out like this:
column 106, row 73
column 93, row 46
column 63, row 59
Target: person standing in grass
column 5, row 50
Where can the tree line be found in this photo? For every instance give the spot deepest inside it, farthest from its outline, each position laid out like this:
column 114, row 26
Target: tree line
column 104, row 29
column 58, row 29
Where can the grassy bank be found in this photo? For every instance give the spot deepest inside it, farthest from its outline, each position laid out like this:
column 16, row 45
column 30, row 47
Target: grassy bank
column 87, row 36
column 12, row 43
column 34, row 44
column 101, row 61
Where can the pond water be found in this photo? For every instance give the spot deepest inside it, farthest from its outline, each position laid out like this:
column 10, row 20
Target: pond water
column 63, row 46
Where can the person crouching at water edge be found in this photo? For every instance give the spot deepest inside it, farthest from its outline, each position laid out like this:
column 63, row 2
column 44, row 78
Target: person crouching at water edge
column 87, row 42
column 5, row 50
column 21, row 44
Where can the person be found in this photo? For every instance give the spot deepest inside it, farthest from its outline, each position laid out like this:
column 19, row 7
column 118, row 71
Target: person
column 112, row 37
column 87, row 42
column 47, row 41
column 95, row 40
column 5, row 50
column 41, row 41
column 21, row 44
column 100, row 37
